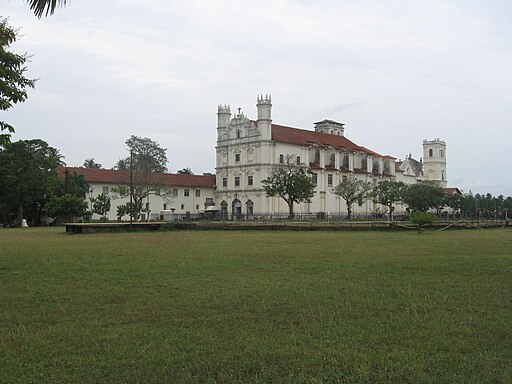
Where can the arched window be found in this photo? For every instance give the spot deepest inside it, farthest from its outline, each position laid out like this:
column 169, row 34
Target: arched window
column 430, row 152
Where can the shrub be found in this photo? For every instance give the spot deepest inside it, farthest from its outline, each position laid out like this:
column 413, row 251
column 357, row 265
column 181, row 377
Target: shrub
column 168, row 226
column 422, row 218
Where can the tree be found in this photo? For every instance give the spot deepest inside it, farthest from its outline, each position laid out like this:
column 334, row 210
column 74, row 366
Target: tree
column 13, row 85
column 352, row 190
column 291, row 182
column 422, row 196
column 47, row 7
column 101, row 205
column 454, row 201
column 90, row 163
column 122, row 164
column 389, row 193
column 74, row 184
column 208, row 174
column 66, row 207
column 185, row 171
column 27, row 178
column 143, row 174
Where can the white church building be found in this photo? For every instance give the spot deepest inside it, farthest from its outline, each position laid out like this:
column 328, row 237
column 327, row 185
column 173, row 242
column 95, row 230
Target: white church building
column 247, row 150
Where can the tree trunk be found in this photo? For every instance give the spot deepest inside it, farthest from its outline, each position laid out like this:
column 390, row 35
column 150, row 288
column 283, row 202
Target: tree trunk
column 349, row 211
column 391, row 209
column 290, row 209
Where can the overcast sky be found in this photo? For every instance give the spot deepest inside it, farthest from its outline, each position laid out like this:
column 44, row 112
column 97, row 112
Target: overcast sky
column 395, row 72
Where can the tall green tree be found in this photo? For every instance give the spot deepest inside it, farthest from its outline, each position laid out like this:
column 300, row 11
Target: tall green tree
column 291, row 182
column 352, row 190
column 143, row 174
column 90, row 163
column 422, row 196
column 389, row 193
column 73, row 183
column 13, row 83
column 45, row 7
column 27, row 178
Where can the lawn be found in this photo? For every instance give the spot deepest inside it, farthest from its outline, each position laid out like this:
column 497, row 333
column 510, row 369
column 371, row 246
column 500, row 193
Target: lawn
column 256, row 307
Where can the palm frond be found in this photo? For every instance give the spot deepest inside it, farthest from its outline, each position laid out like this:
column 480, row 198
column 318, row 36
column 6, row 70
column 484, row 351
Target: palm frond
column 46, row 7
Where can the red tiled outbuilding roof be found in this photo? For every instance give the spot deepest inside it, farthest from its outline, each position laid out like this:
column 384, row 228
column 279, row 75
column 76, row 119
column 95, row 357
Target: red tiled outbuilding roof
column 452, row 191
column 112, row 176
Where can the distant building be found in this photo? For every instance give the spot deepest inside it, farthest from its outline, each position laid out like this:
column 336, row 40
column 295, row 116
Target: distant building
column 247, row 151
column 181, row 195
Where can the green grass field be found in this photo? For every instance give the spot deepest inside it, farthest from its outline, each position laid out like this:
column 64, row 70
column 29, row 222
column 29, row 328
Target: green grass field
column 256, row 307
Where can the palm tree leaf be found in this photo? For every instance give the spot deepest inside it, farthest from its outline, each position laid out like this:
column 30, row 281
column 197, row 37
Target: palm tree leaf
column 46, row 7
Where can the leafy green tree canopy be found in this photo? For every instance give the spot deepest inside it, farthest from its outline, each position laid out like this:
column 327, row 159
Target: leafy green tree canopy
column 13, row 84
column 351, row 190
column 101, row 205
column 291, row 182
column 66, row 207
column 389, row 193
column 27, row 177
column 185, row 171
column 422, row 196
column 144, row 172
column 90, row 163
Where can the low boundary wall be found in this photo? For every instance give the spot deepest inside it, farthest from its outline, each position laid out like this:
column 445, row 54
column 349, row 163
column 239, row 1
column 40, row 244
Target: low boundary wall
column 282, row 226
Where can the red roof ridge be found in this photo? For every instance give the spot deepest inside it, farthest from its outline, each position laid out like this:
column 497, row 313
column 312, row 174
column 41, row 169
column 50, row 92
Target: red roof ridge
column 114, row 176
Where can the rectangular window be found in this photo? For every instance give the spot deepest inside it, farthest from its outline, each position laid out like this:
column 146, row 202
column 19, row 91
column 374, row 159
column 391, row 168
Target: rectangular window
column 165, row 207
column 182, row 206
column 157, row 191
column 329, row 180
column 175, row 192
column 281, row 159
column 105, row 190
column 237, row 181
column 237, row 157
column 198, row 193
column 298, row 160
column 187, row 192
column 197, row 207
column 343, row 179
column 224, row 181
column 314, row 178
column 249, row 180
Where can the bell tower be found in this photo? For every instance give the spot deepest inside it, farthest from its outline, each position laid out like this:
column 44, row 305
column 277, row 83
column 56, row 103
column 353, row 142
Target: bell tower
column 264, row 122
column 434, row 161
column 223, row 119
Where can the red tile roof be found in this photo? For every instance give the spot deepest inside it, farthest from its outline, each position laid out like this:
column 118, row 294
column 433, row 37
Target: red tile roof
column 111, row 176
column 297, row 136
column 452, row 191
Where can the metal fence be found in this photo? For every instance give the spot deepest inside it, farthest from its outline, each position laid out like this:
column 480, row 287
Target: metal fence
column 320, row 217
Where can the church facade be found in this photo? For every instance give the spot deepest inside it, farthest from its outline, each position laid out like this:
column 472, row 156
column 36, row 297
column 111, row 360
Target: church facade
column 247, row 151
